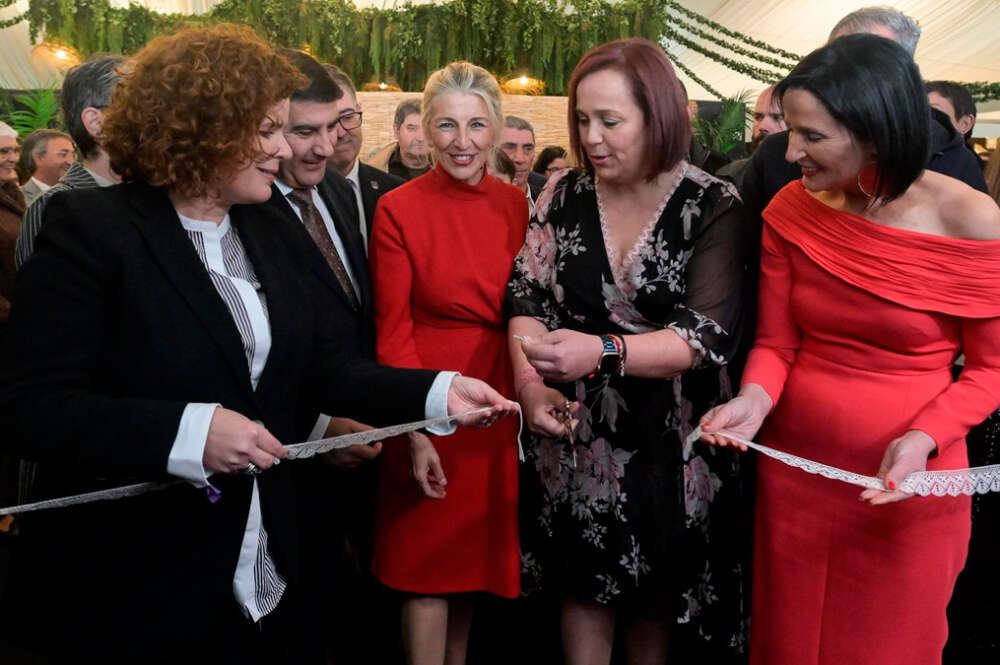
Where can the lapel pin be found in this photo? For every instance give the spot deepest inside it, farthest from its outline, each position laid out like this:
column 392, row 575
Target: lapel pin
column 374, row 184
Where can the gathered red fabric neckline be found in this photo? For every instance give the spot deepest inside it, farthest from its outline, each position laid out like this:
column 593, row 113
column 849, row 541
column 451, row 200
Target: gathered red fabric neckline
column 954, row 276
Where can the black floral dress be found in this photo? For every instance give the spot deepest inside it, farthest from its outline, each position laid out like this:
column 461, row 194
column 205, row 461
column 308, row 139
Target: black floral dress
column 629, row 515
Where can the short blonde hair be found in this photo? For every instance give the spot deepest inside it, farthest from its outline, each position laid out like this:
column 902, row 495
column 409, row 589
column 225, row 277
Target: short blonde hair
column 467, row 78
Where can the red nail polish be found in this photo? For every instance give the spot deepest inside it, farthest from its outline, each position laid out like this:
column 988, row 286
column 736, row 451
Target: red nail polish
column 890, row 484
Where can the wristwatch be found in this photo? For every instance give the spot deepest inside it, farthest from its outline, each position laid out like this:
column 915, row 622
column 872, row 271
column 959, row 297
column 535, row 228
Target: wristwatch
column 608, row 363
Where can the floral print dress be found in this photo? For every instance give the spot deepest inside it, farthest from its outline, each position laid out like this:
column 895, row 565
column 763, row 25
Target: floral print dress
column 629, row 515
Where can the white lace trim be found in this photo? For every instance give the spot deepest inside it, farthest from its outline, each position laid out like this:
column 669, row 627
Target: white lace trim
column 620, row 269
column 946, row 482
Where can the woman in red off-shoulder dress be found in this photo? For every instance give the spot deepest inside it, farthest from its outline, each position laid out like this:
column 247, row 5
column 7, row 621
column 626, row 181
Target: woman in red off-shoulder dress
column 874, row 277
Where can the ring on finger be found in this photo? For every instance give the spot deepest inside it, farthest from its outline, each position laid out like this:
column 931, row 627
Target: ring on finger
column 252, row 469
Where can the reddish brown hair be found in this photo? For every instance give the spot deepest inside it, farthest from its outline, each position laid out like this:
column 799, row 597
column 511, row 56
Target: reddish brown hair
column 189, row 107
column 655, row 90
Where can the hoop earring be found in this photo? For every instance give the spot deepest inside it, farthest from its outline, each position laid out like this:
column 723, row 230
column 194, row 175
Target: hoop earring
column 862, row 188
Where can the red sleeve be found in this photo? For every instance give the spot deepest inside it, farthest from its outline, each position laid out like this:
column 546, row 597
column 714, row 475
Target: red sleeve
column 778, row 337
column 392, row 278
column 976, row 394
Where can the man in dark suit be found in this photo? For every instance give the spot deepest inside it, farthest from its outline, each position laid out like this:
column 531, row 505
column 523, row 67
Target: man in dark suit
column 517, row 140
column 367, row 182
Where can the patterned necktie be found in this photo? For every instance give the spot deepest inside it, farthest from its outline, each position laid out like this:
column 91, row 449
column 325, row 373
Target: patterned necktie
column 313, row 222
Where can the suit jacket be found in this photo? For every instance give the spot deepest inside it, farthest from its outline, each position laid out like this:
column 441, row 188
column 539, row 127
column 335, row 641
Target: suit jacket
column 115, row 328
column 31, row 191
column 374, row 183
column 356, row 329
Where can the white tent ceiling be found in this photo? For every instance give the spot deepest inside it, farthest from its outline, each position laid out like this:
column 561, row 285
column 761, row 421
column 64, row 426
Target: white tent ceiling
column 960, row 42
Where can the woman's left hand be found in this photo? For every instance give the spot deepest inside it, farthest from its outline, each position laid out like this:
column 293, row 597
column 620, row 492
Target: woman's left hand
column 904, row 456
column 563, row 355
column 468, row 394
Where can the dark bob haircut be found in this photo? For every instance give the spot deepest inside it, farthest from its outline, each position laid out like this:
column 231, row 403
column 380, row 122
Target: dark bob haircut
column 655, row 90
column 871, row 85
column 547, row 156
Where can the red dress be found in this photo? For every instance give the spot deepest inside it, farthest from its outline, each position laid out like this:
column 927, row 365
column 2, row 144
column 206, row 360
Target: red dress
column 859, row 326
column 441, row 255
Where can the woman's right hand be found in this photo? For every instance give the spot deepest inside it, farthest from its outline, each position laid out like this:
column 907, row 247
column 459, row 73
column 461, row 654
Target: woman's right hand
column 425, row 466
column 234, row 441
column 741, row 416
column 545, row 410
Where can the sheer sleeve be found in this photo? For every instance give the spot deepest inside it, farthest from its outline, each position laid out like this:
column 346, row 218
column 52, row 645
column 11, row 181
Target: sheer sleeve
column 530, row 289
column 711, row 313
column 778, row 336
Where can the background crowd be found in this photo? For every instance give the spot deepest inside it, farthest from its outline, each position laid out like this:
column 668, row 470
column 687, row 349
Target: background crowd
column 205, row 268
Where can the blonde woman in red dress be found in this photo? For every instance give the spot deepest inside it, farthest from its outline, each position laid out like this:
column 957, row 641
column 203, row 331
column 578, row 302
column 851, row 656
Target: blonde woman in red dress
column 875, row 275
column 442, row 250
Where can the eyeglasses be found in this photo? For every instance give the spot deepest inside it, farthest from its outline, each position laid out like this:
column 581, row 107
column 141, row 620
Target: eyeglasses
column 350, row 120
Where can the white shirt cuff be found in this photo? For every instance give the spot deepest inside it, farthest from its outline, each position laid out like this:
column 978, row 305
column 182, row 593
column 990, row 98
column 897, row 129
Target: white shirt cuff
column 188, row 451
column 436, row 405
column 319, row 429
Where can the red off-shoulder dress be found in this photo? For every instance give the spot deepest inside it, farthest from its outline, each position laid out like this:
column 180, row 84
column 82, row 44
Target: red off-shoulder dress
column 441, row 255
column 859, row 326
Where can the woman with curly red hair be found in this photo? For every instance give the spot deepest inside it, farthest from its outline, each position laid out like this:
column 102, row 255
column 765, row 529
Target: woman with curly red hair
column 167, row 328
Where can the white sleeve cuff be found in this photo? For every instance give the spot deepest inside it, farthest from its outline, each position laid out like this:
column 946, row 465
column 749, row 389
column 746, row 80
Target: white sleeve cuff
column 319, row 429
column 436, row 405
column 185, row 460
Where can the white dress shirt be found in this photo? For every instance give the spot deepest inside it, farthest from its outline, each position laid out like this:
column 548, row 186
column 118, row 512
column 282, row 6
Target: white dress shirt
column 187, row 452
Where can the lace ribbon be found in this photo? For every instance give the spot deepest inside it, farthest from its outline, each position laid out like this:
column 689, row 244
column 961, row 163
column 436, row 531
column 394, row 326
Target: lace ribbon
column 946, row 482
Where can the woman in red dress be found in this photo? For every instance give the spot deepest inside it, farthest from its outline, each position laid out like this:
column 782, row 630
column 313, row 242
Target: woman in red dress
column 875, row 275
column 442, row 250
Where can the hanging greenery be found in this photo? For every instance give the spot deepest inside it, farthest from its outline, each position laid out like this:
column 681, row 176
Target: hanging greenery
column 541, row 38
column 983, row 91
column 14, row 20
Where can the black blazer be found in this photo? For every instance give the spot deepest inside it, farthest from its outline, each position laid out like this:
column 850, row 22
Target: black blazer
column 374, row 183
column 536, row 182
column 115, row 328
column 356, row 329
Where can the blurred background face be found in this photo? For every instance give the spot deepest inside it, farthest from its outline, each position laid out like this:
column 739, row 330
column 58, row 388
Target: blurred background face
column 612, row 127
column 557, row 164
column 462, row 134
column 519, row 145
column 311, row 132
column 412, row 143
column 58, row 155
column 9, row 154
column 347, row 144
column 767, row 116
column 251, row 183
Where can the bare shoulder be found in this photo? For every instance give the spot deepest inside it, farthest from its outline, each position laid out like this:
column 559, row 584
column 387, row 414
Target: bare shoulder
column 963, row 211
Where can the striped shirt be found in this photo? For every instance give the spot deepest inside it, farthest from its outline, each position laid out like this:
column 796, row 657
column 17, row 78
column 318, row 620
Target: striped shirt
column 257, row 584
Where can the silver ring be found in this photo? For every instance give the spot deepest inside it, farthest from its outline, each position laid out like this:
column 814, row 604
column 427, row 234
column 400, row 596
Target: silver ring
column 252, row 469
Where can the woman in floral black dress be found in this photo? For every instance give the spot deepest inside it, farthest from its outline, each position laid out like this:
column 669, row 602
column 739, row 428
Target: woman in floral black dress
column 624, row 519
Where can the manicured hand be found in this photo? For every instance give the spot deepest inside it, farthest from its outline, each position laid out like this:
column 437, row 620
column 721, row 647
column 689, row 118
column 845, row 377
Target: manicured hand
column 352, row 456
column 904, row 456
column 563, row 355
column 741, row 416
column 234, row 441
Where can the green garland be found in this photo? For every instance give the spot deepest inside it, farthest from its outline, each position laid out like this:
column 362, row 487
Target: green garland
column 735, row 48
column 756, row 73
column 732, row 33
column 694, row 77
column 14, row 20
column 983, row 91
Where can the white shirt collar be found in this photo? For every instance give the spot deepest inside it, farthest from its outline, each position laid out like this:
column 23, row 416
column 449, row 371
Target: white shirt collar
column 40, row 185
column 283, row 188
column 98, row 178
column 352, row 175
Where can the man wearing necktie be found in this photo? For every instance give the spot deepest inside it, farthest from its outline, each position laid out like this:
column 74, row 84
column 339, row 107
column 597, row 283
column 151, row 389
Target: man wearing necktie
column 323, row 201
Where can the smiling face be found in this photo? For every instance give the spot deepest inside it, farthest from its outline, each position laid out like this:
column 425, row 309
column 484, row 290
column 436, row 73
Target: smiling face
column 251, row 183
column 462, row 134
column 612, row 127
column 347, row 142
column 830, row 157
column 9, row 153
column 311, row 132
column 54, row 160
